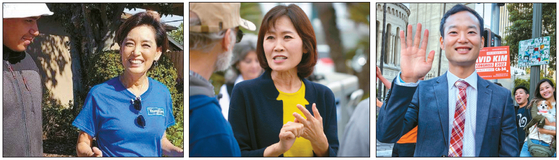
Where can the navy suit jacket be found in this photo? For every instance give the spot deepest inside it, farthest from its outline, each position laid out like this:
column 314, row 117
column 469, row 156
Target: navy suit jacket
column 426, row 106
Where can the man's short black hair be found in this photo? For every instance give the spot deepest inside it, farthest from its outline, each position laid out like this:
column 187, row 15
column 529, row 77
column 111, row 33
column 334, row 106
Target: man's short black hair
column 459, row 8
column 520, row 87
column 497, row 83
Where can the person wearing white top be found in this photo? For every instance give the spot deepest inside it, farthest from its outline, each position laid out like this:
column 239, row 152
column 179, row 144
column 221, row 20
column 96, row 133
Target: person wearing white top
column 244, row 66
column 544, row 104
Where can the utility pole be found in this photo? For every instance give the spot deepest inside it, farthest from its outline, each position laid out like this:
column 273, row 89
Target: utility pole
column 536, row 32
column 382, row 47
column 440, row 49
column 494, row 25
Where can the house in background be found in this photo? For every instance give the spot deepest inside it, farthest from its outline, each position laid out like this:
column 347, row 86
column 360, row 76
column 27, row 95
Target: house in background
column 58, row 61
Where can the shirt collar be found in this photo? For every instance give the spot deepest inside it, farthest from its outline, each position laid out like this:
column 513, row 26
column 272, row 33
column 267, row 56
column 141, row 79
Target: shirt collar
column 239, row 79
column 472, row 79
column 196, row 75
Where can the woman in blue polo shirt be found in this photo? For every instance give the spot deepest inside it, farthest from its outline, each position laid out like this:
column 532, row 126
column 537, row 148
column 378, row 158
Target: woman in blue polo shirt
column 128, row 114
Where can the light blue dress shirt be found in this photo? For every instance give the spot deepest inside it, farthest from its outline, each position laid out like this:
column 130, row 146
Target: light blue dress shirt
column 471, row 97
column 468, row 142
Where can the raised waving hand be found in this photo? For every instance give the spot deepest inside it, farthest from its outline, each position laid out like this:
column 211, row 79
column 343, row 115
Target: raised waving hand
column 412, row 57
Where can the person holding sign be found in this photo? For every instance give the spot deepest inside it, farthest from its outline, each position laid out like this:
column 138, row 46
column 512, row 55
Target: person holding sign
column 458, row 114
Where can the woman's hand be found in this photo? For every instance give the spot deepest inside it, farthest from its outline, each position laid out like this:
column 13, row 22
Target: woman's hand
column 547, row 131
column 313, row 131
column 169, row 149
column 548, row 123
column 96, row 152
column 288, row 133
column 84, row 149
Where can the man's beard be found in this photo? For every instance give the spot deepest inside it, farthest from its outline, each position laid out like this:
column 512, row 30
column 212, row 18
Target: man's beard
column 224, row 60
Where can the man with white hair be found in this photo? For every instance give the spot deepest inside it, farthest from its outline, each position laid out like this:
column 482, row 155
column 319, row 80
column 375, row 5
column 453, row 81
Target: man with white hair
column 214, row 29
column 22, row 91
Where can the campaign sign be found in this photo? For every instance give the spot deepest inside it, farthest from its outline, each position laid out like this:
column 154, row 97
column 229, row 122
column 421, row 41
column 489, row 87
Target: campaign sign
column 493, row 63
column 533, row 52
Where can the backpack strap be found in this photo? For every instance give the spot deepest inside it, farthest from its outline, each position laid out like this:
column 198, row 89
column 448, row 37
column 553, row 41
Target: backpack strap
column 536, row 119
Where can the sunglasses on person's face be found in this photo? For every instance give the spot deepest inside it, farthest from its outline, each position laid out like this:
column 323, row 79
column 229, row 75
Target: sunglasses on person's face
column 138, row 106
column 239, row 35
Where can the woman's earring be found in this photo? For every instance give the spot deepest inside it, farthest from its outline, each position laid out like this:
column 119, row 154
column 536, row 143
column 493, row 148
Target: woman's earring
column 155, row 63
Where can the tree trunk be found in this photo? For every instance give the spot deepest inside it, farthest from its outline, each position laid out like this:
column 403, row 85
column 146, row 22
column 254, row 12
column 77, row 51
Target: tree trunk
column 327, row 15
column 89, row 38
column 112, row 25
column 365, row 74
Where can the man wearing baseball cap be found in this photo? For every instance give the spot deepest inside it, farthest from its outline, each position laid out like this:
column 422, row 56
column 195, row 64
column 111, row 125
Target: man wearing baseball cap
column 22, row 91
column 214, row 29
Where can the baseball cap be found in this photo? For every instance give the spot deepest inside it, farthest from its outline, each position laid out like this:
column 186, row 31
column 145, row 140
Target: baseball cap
column 215, row 17
column 23, row 10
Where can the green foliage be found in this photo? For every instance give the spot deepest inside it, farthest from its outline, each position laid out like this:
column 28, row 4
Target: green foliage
column 521, row 28
column 217, row 79
column 59, row 135
column 178, row 34
column 252, row 12
column 521, row 82
column 359, row 12
column 362, row 44
column 108, row 65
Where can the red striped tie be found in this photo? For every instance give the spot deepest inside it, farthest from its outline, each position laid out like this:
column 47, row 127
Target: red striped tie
column 457, row 136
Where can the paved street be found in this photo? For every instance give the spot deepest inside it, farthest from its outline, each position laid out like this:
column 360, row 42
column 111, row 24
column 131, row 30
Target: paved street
column 384, row 149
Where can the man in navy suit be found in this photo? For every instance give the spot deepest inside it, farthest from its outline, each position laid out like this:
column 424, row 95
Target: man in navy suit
column 458, row 114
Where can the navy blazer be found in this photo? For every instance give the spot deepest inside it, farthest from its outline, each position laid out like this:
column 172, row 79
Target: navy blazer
column 257, row 117
column 426, row 106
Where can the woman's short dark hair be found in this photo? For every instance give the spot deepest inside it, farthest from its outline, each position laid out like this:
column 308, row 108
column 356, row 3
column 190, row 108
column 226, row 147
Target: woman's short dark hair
column 538, row 94
column 305, row 30
column 144, row 18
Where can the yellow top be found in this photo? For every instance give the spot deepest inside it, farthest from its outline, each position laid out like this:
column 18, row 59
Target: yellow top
column 302, row 147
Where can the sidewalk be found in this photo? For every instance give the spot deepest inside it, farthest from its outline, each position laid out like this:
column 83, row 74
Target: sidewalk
column 384, row 149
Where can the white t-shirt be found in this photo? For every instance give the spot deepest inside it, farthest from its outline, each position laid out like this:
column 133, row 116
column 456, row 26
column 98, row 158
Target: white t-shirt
column 225, row 99
column 544, row 137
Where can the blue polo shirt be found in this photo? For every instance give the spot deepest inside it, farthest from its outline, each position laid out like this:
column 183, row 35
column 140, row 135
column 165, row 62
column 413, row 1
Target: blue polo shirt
column 109, row 115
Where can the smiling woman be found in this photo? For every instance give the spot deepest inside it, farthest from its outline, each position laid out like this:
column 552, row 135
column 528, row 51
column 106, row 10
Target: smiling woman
column 281, row 113
column 542, row 107
column 128, row 114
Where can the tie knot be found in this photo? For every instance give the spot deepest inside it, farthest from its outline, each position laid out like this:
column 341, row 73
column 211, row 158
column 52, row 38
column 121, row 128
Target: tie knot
column 460, row 84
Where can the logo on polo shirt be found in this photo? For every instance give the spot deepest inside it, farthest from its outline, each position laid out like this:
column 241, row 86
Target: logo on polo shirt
column 156, row 111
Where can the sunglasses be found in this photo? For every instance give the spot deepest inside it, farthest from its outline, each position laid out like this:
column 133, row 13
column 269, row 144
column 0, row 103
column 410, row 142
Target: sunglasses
column 138, row 106
column 239, row 35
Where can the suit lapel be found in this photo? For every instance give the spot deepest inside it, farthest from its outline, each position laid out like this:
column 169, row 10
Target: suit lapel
column 441, row 95
column 483, row 105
